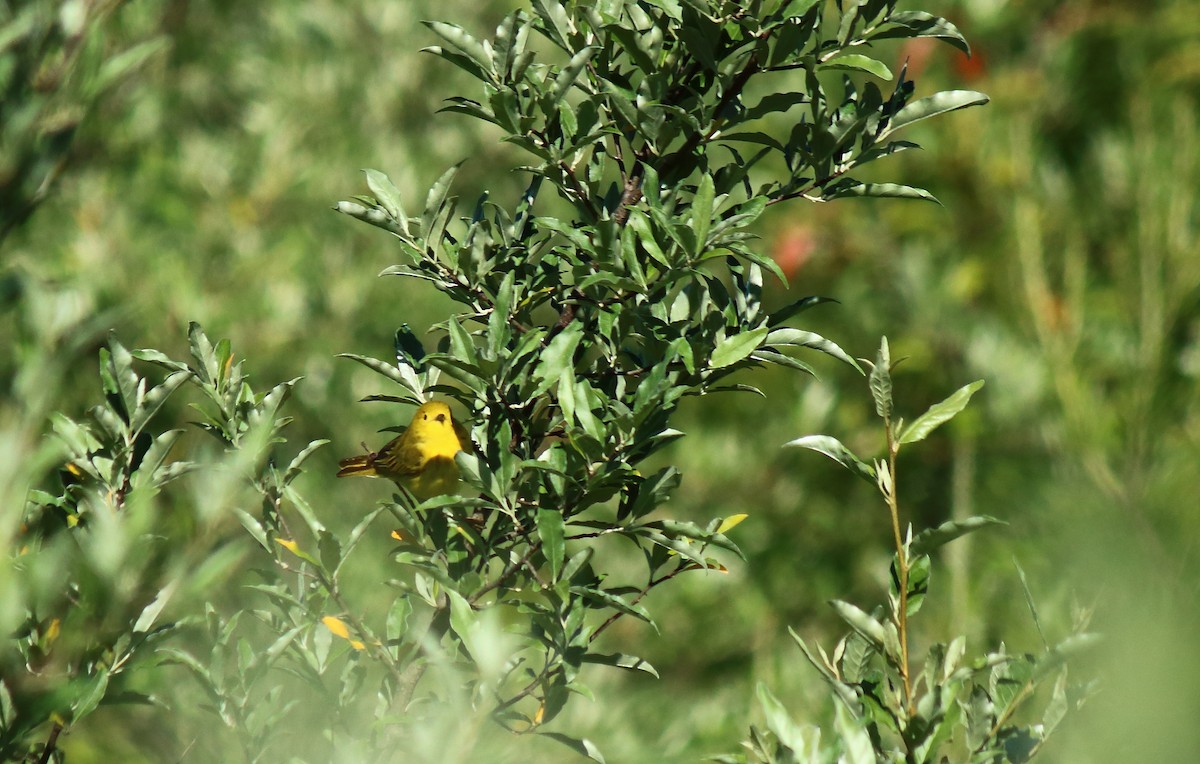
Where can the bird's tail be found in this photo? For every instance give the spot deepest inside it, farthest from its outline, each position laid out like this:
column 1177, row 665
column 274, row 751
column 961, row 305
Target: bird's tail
column 363, row 464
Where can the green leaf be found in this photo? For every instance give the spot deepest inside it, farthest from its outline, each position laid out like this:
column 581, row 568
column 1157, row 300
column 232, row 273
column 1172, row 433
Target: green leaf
column 294, row 467
column 1033, row 611
column 702, row 212
column 387, row 196
column 877, row 190
column 860, row 63
column 463, row 41
column 556, row 24
column 799, row 306
column 833, row 448
column 779, row 721
column 581, row 746
column 557, row 357
column 801, row 338
column 621, row 660
column 737, row 347
column 931, row 539
column 918, row 581
column 843, row 691
column 550, row 532
column 401, row 375
column 203, row 353
column 930, row 106
column 157, row 396
column 437, row 199
column 856, row 742
column 570, row 73
column 939, row 413
column 909, row 24
column 124, row 63
column 881, row 381
column 775, row 102
column 91, row 695
column 614, row 601
column 862, row 623
column 465, row 623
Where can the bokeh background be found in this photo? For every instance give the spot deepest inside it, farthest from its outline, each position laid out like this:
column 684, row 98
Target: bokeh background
column 1063, row 268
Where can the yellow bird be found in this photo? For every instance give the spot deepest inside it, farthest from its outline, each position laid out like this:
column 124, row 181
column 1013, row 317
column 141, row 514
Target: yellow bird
column 421, row 458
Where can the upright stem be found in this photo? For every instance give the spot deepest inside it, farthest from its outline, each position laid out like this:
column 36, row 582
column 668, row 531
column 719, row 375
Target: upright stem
column 901, row 615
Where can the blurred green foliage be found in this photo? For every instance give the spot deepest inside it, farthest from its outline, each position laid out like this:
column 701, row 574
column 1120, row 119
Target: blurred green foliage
column 1063, row 270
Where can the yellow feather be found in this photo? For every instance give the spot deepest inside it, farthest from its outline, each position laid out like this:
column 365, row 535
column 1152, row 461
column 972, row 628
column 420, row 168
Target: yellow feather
column 421, row 458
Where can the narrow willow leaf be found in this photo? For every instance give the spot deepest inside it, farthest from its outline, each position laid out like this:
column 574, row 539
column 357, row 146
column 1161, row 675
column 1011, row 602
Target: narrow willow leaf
column 881, row 381
column 862, row 623
column 702, row 212
column 860, row 63
column 799, row 306
column 833, row 448
column 557, row 356
column 939, row 413
column 581, row 746
column 1061, row 652
column 801, row 338
column 878, row 190
column 621, row 660
column 909, row 24
column 388, row 197
column 856, row 742
column 401, row 375
column 556, row 24
column 155, row 456
column 88, row 696
column 1029, row 602
column 737, row 347
column 918, row 582
column 463, row 41
column 931, row 539
column 550, row 532
column 779, row 721
column 570, row 73
column 436, row 199
column 377, row 218
column 930, row 106
column 844, row 692
column 465, row 623
column 615, row 601
column 157, row 396
column 116, row 68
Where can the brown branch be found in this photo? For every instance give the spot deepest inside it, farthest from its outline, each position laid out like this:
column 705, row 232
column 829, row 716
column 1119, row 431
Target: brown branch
column 51, row 744
column 505, row 574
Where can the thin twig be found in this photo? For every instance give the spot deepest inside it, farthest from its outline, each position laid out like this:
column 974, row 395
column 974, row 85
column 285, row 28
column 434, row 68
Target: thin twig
column 51, row 743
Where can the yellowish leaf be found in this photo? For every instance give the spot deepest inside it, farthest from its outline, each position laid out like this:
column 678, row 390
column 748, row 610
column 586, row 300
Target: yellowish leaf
column 731, row 522
column 336, row 626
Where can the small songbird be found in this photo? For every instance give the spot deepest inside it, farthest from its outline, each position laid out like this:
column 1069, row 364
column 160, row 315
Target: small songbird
column 421, row 458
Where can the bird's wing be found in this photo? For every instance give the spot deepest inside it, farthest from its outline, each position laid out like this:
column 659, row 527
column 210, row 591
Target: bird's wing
column 407, row 460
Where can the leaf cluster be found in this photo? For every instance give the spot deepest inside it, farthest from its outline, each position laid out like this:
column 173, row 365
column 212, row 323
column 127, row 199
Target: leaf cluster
column 577, row 335
column 56, row 62
column 956, row 707
column 99, row 558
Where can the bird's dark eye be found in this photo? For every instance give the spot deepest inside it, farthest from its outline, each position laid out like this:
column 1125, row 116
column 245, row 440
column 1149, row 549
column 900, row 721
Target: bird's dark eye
column 441, row 417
